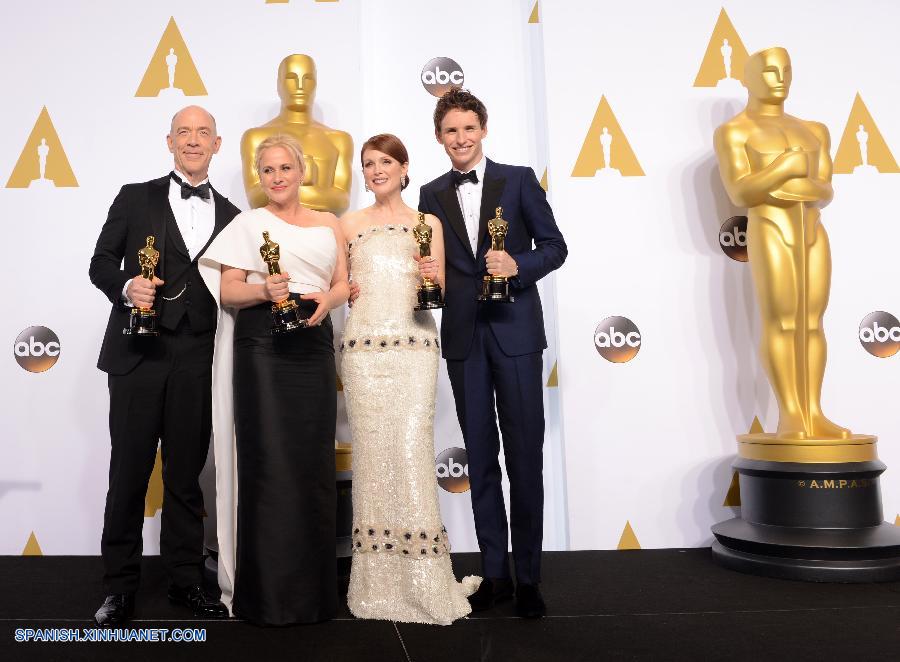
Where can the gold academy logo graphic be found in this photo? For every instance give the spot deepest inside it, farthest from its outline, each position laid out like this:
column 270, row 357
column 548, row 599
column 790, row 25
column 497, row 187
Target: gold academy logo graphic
column 452, row 470
column 171, row 72
column 723, row 62
column 43, row 162
column 862, row 149
column 606, row 152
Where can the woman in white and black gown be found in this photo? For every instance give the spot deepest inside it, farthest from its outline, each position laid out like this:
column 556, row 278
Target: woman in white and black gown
column 401, row 567
column 280, row 565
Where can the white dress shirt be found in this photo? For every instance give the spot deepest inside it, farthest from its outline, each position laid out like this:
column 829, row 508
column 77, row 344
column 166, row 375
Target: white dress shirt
column 469, row 197
column 195, row 217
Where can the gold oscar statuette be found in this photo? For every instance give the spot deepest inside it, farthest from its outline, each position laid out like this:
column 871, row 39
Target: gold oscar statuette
column 810, row 501
column 143, row 321
column 429, row 293
column 327, row 152
column 285, row 314
column 779, row 167
column 496, row 288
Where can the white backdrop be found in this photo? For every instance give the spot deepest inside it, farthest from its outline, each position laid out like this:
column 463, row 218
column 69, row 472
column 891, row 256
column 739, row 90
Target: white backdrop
column 85, row 62
column 647, row 442
column 651, row 441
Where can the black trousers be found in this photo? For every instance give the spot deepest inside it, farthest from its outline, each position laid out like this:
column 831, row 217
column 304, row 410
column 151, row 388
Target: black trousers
column 515, row 384
column 166, row 399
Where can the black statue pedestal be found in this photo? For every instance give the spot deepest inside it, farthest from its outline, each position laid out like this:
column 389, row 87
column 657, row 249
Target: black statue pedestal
column 810, row 521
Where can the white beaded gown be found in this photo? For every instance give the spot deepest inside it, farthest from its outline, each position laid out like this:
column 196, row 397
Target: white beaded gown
column 401, row 567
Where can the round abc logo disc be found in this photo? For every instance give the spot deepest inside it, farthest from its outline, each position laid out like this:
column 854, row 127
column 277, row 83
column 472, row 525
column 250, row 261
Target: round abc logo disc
column 36, row 349
column 879, row 334
column 733, row 238
column 617, row 339
column 452, row 469
column 440, row 75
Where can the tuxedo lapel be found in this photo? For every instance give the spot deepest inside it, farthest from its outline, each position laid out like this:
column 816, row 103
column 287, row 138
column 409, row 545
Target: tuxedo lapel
column 160, row 213
column 222, row 220
column 490, row 196
column 450, row 203
column 177, row 239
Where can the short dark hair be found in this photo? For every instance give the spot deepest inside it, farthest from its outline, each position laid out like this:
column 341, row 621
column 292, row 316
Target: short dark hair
column 390, row 145
column 458, row 99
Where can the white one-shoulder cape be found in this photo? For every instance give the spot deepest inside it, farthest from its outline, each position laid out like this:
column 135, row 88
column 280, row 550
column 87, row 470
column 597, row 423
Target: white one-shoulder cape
column 309, row 255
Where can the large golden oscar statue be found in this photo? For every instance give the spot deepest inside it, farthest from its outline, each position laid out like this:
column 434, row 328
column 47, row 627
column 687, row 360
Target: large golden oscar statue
column 328, row 152
column 779, row 168
column 810, row 499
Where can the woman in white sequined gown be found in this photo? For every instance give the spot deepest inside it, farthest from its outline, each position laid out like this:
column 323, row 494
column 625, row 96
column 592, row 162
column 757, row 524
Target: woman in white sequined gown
column 401, row 567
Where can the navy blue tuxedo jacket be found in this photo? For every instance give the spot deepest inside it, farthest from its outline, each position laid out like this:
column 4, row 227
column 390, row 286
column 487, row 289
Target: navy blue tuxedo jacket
column 533, row 240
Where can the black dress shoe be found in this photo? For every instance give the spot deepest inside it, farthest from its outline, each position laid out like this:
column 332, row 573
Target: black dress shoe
column 490, row 593
column 202, row 604
column 529, row 603
column 116, row 609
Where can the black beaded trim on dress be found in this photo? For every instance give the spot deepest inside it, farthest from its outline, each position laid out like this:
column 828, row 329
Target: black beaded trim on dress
column 412, row 543
column 390, row 342
column 377, row 228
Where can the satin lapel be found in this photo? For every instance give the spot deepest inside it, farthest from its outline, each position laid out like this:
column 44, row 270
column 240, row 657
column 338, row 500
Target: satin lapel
column 220, row 222
column 221, row 211
column 160, row 213
column 448, row 200
column 490, row 196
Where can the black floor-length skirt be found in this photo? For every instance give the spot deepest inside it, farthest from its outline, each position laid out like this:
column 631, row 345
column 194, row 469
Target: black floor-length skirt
column 284, row 413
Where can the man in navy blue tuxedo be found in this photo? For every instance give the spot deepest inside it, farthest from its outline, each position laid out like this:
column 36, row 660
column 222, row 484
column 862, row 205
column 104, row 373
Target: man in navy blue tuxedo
column 493, row 349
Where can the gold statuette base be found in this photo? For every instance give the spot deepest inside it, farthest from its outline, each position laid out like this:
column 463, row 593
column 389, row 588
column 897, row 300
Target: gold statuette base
column 769, row 448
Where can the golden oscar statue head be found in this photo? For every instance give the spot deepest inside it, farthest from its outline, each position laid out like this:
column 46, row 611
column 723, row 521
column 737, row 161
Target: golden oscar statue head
column 327, row 152
column 779, row 168
column 297, row 82
column 767, row 76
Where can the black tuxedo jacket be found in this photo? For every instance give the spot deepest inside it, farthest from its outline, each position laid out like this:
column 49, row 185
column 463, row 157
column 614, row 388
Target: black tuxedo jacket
column 533, row 240
column 139, row 210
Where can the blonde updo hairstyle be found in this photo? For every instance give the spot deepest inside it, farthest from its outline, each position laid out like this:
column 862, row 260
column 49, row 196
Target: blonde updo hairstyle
column 282, row 140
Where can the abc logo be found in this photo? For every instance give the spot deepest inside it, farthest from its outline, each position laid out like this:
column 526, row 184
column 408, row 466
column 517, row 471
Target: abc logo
column 36, row 349
column 879, row 334
column 617, row 339
column 440, row 75
column 452, row 468
column 733, row 238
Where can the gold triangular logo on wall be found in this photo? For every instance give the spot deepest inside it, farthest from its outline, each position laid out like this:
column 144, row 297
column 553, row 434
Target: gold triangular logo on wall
column 733, row 498
column 628, row 540
column 862, row 147
column 756, row 427
column 553, row 379
column 897, row 521
column 32, row 548
column 535, row 17
column 544, row 182
column 725, row 57
column 154, row 498
column 171, row 72
column 605, row 137
column 43, row 161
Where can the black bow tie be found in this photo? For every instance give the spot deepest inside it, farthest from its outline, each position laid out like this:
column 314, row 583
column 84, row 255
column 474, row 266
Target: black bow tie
column 187, row 190
column 460, row 178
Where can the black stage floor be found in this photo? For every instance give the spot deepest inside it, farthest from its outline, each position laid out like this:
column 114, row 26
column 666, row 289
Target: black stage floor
column 616, row 605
